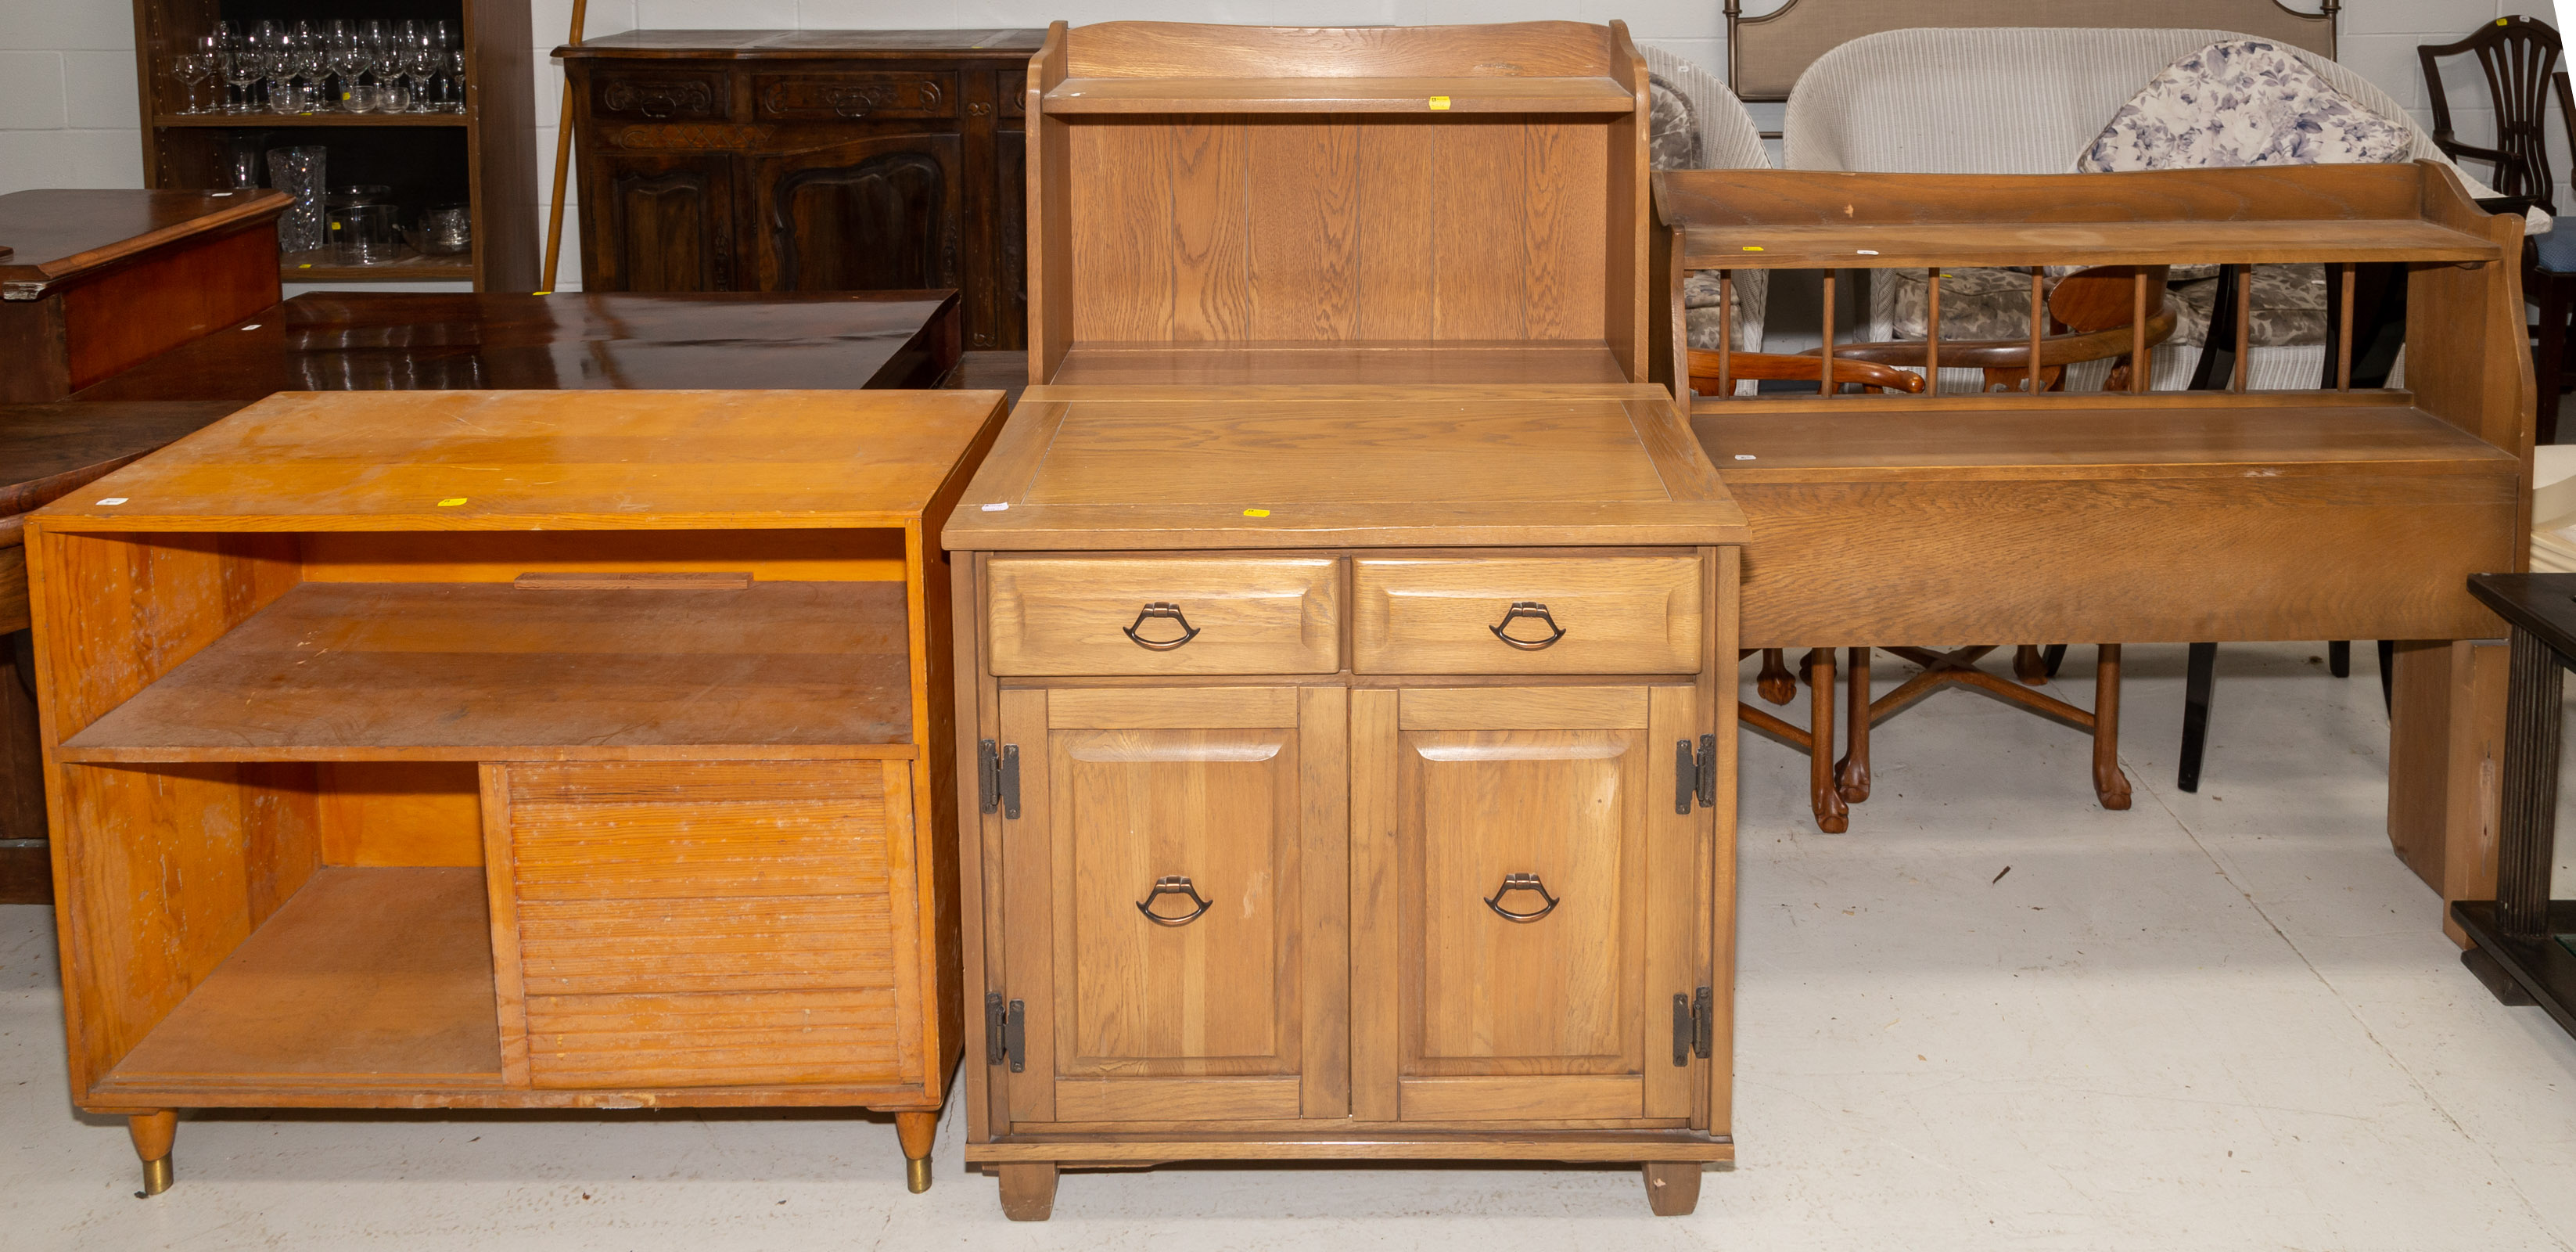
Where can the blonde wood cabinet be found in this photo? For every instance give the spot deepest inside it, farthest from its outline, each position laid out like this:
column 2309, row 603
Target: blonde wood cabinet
column 513, row 749
column 1295, row 834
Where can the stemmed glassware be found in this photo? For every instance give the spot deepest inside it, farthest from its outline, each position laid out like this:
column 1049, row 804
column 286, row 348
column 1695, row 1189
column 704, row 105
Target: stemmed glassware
column 199, row 65
column 353, row 65
column 243, row 67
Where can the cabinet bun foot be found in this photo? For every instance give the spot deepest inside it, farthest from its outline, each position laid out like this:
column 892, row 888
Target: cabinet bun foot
column 1672, row 1187
column 152, row 1134
column 1028, row 1192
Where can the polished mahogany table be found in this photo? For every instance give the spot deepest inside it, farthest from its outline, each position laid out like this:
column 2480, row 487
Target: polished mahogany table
column 46, row 452
column 95, row 281
column 405, row 341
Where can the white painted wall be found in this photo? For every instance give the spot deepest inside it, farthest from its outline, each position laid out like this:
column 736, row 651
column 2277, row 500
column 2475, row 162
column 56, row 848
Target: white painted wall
column 67, row 107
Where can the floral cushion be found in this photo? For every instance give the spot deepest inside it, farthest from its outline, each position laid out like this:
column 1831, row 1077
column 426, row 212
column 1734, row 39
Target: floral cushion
column 1672, row 141
column 1700, row 296
column 1986, row 304
column 2241, row 102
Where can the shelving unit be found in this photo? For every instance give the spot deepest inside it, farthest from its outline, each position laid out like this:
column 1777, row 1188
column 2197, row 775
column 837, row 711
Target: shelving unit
column 484, row 157
column 511, row 750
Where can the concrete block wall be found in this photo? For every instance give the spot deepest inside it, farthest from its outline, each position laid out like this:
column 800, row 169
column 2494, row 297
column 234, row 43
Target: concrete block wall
column 67, row 107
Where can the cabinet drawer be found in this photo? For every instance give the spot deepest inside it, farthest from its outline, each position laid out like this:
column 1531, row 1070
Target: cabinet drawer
column 1175, row 615
column 1605, row 615
column 660, row 95
column 848, row 97
column 691, row 924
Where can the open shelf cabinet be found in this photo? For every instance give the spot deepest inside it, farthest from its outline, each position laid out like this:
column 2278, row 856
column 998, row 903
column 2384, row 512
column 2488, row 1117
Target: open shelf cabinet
column 484, row 157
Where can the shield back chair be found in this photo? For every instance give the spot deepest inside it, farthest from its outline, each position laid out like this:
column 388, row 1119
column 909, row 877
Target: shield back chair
column 2519, row 57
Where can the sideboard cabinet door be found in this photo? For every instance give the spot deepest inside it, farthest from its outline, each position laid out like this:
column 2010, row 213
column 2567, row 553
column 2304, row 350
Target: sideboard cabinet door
column 667, row 221
column 866, row 215
column 1522, row 903
column 1173, row 891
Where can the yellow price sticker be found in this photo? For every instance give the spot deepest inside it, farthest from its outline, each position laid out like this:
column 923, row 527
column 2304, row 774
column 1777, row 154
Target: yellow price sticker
column 451, row 502
column 1750, row 248
column 1256, row 512
column 1439, row 102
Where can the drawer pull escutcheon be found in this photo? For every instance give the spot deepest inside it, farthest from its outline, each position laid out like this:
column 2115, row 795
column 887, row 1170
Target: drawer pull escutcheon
column 1521, row 882
column 1172, row 885
column 1162, row 608
column 1527, row 608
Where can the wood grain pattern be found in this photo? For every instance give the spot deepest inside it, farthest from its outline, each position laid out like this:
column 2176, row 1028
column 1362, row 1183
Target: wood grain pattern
column 1620, row 615
column 487, row 669
column 1188, row 50
column 1305, row 231
column 376, row 814
column 1398, row 96
column 1274, row 615
column 1426, row 1145
column 377, row 976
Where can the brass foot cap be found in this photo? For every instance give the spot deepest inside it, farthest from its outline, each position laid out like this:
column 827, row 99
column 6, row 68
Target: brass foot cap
column 916, row 1174
column 157, row 1176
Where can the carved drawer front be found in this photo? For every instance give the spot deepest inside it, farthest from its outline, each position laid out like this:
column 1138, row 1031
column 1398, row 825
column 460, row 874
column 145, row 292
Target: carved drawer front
column 1165, row 615
column 849, row 97
column 685, row 924
column 1526, row 615
column 660, row 95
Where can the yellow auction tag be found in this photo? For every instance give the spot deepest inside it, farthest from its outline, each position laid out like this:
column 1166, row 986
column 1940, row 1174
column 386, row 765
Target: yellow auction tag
column 451, row 502
column 1256, row 512
column 1439, row 102
column 1750, row 248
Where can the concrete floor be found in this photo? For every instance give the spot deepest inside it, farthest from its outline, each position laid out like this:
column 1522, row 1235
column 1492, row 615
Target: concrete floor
column 2224, row 1020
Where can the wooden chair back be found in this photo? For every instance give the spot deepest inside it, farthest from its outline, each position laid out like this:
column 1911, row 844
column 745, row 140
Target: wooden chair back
column 2519, row 55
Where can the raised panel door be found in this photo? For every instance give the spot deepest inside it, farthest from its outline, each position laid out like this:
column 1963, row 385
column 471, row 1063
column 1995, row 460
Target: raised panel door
column 665, row 222
column 1523, row 902
column 1174, row 888
column 878, row 214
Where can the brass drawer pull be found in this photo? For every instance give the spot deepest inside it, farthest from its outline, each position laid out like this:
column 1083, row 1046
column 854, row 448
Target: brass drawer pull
column 1521, row 882
column 1162, row 608
column 1527, row 608
column 1172, row 885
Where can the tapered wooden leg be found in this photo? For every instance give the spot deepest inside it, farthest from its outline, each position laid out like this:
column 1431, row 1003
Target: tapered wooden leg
column 1832, row 816
column 2029, row 666
column 1775, row 683
column 152, row 1133
column 2054, row 655
column 1028, row 1192
column 2109, row 784
column 1672, row 1187
column 1851, row 774
column 2199, row 676
column 2339, row 658
column 916, row 1131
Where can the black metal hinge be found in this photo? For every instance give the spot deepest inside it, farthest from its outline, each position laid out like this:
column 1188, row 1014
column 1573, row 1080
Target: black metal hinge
column 1005, row 1031
column 997, row 778
column 1694, row 774
column 1694, row 1026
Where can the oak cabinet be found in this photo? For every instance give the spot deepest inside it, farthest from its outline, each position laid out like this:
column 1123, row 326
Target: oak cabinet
column 808, row 161
column 1180, row 857
column 1533, row 910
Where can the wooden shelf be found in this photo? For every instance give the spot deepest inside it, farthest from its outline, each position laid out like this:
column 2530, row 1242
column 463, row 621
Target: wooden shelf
column 365, row 977
column 2173, row 435
column 1340, row 362
column 1988, row 244
column 1339, row 95
column 482, row 671
column 318, row 267
column 274, row 121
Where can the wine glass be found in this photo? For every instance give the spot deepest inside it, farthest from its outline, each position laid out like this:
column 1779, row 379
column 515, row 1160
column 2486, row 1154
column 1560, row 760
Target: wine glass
column 420, row 63
column 268, row 43
column 456, row 80
column 196, row 67
column 243, row 67
column 350, row 59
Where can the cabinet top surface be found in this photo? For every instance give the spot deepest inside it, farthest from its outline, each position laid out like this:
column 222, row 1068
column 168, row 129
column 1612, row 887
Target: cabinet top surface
column 1290, row 467
column 57, row 235
column 650, row 44
column 533, row 460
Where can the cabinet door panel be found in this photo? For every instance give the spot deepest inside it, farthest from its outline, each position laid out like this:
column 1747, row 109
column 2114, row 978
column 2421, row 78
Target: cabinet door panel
column 1470, row 805
column 1144, row 1014
column 867, row 215
column 666, row 222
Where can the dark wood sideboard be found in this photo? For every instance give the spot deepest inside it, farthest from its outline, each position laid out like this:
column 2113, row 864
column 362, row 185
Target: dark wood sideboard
column 808, row 161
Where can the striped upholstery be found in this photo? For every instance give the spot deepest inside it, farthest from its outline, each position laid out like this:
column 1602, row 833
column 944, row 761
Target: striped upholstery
column 1728, row 140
